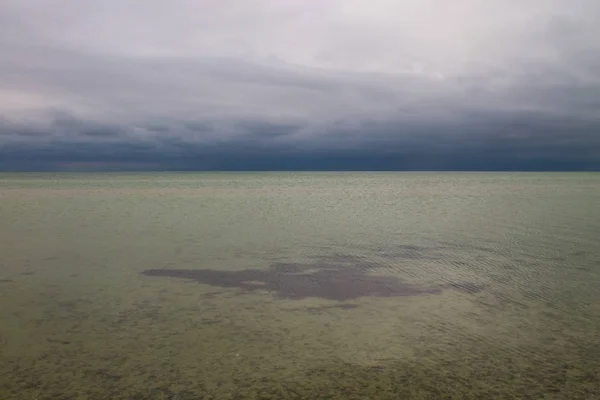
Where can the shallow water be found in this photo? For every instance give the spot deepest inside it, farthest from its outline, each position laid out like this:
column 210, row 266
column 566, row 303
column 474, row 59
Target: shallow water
column 300, row 285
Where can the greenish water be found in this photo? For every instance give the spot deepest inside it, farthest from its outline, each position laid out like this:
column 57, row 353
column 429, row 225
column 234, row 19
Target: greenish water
column 300, row 286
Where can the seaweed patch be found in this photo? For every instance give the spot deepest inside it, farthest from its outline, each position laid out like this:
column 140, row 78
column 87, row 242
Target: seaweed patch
column 326, row 280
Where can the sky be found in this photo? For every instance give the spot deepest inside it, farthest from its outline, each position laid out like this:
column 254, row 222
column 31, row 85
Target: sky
column 300, row 85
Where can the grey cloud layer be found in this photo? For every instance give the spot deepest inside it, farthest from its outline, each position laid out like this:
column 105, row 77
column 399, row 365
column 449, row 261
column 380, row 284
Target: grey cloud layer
column 207, row 84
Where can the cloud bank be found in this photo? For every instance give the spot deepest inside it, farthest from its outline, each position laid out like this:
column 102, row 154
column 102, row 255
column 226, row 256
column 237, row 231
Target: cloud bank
column 270, row 84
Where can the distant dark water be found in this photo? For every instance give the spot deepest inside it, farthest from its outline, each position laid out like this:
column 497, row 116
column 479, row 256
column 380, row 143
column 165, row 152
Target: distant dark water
column 324, row 285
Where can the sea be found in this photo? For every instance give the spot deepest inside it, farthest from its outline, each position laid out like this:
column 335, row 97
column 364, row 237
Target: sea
column 300, row 285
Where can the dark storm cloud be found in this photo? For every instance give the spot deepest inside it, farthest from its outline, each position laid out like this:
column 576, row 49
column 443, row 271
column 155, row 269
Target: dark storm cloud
column 525, row 144
column 300, row 85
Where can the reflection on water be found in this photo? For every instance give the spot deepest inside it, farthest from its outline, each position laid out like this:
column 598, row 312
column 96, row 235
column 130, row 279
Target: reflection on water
column 315, row 286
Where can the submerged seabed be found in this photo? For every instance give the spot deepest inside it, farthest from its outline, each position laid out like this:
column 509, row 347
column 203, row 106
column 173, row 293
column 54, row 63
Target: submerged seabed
column 300, row 286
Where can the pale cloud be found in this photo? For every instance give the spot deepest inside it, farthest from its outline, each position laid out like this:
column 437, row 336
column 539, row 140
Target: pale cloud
column 306, row 74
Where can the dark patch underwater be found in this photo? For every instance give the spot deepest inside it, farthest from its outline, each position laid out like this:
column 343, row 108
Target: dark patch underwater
column 350, row 278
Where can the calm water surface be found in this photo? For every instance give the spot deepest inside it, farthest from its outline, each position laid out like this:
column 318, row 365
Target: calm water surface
column 300, row 286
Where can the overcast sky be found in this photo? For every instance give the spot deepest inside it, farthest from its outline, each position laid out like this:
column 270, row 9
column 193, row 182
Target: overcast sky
column 300, row 84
